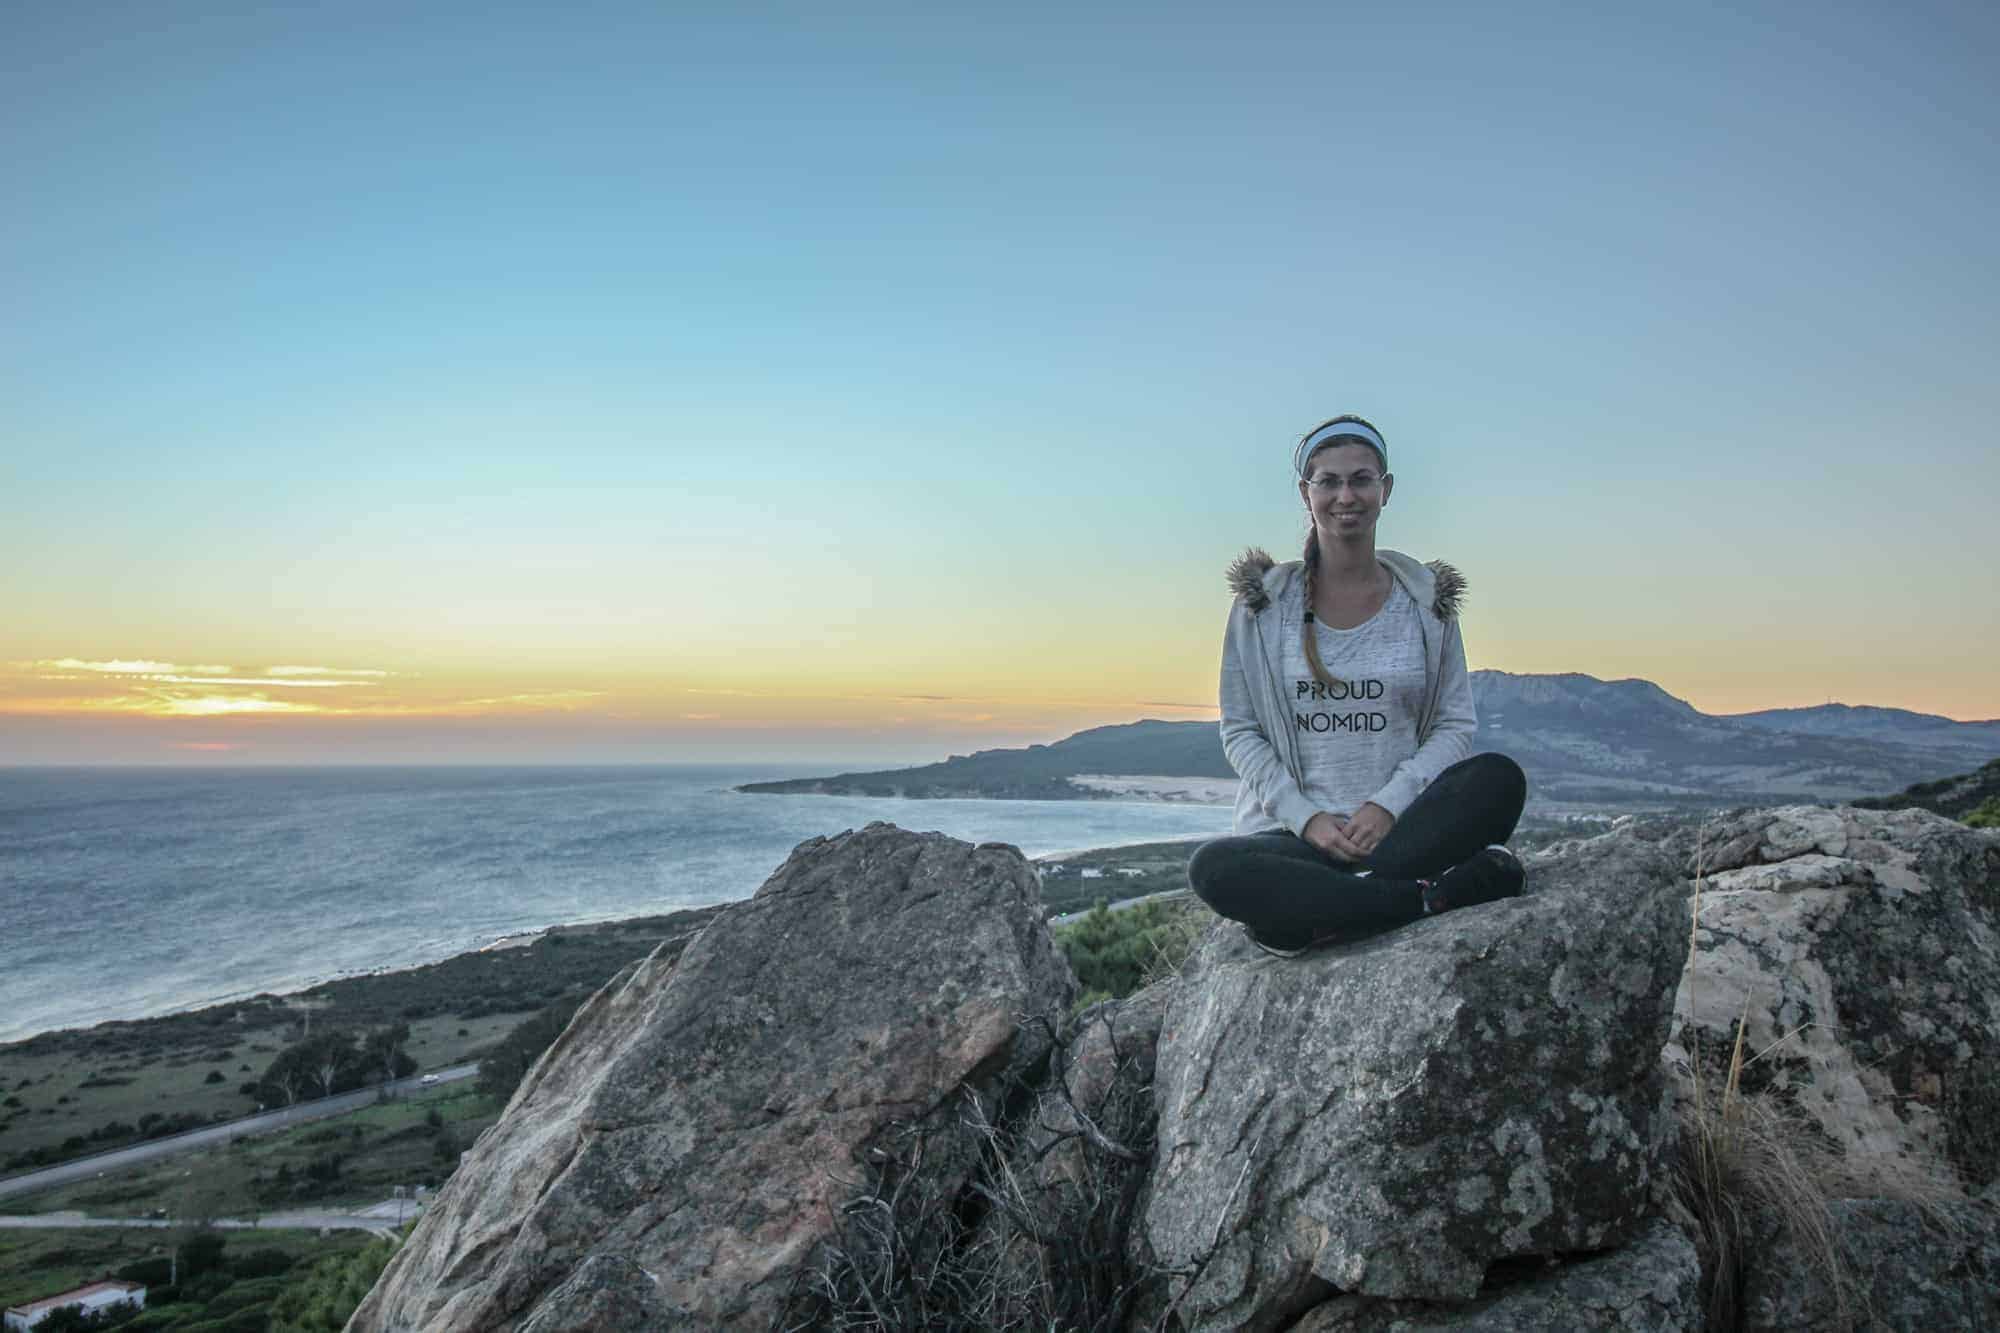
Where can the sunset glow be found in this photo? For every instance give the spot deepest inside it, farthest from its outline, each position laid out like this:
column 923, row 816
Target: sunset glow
column 642, row 386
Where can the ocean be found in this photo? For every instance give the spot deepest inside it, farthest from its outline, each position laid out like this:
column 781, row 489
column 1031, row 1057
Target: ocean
column 127, row 893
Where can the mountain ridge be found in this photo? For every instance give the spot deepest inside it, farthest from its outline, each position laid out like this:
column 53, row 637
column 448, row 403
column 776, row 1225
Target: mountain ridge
column 1582, row 739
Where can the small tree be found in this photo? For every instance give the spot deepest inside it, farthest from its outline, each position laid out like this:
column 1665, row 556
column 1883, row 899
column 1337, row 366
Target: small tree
column 332, row 1062
column 327, row 1063
column 201, row 1252
column 322, row 1298
column 502, row 1070
column 384, row 1047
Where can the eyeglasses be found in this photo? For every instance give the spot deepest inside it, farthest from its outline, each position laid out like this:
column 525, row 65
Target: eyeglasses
column 1361, row 483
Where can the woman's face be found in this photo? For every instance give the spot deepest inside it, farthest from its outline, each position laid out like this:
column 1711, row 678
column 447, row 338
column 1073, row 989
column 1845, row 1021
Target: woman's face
column 1344, row 489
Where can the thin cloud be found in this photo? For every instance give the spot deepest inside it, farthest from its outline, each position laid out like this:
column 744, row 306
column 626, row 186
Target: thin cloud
column 544, row 701
column 203, row 746
column 226, row 705
column 325, row 671
column 541, row 699
column 1168, row 703
column 700, row 717
column 120, row 703
column 130, row 667
column 176, row 673
column 254, row 680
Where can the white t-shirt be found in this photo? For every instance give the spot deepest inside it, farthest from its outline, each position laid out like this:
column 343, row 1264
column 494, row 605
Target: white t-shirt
column 1352, row 736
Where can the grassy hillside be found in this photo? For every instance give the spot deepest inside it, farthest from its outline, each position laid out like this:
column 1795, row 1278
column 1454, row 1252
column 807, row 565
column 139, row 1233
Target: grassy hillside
column 1039, row 772
column 1954, row 797
column 60, row 1089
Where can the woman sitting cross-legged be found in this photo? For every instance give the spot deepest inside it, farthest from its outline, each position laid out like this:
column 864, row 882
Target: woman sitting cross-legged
column 1347, row 713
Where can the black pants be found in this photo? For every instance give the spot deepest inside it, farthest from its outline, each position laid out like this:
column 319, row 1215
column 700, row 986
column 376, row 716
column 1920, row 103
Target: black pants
column 1291, row 893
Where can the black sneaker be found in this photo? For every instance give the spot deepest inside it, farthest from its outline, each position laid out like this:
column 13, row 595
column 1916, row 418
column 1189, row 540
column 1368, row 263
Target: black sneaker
column 1338, row 935
column 1491, row 874
column 1275, row 950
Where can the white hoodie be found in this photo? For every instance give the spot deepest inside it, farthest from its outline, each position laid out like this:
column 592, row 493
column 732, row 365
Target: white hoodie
column 1258, row 732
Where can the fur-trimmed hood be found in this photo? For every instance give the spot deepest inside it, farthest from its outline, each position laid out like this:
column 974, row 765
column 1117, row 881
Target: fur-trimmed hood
column 1250, row 579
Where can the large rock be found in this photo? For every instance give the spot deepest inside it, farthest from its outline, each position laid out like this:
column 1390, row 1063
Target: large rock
column 1098, row 1102
column 1064, row 1201
column 1907, row 1267
column 684, row 1146
column 1859, row 951
column 1652, row 1285
column 1391, row 1117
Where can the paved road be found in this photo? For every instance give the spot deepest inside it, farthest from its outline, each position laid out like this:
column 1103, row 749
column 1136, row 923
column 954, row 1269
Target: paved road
column 371, row 1220
column 83, row 1168
column 1121, row 905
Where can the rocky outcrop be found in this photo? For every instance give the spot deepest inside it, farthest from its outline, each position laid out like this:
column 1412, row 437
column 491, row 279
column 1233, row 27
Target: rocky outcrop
column 1098, row 1099
column 684, row 1146
column 1907, row 1266
column 1392, row 1117
column 1858, row 950
column 1651, row 1285
column 1466, row 1123
column 1077, row 1162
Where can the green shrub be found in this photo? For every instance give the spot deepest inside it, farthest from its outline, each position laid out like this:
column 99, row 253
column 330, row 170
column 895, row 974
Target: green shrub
column 1116, row 953
column 502, row 1069
column 201, row 1252
column 246, row 1293
column 321, row 1299
column 153, row 1272
column 253, row 1320
column 1986, row 814
column 267, row 1262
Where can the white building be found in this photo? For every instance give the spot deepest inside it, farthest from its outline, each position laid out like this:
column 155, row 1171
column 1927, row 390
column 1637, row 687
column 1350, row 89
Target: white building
column 90, row 1298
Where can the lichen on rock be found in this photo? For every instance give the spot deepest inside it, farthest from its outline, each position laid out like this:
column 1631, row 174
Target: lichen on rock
column 1391, row 1117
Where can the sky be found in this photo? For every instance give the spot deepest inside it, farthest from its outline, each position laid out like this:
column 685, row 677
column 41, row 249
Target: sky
column 690, row 383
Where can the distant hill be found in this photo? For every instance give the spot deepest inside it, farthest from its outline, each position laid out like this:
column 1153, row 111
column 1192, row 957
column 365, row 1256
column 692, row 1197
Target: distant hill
column 1589, row 740
column 1582, row 740
column 1979, row 740
column 1041, row 772
column 1953, row 797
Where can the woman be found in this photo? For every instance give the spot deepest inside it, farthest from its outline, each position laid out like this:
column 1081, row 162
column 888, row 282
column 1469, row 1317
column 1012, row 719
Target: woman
column 1347, row 713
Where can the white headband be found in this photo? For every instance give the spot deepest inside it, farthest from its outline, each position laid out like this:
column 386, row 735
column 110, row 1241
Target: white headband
column 1343, row 428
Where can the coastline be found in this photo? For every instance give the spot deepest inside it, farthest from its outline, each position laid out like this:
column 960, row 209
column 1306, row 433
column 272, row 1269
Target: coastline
column 318, row 991
column 353, row 989
column 70, row 1082
column 1088, row 855
column 73, row 1089
column 1139, row 789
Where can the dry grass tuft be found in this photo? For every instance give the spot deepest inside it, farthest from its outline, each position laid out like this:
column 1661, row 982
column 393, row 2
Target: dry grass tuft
column 1174, row 941
column 1749, row 1165
column 1746, row 1163
column 1023, row 1245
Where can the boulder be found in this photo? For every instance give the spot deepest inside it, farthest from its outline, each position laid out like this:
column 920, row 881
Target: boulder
column 1063, row 1206
column 1099, row 1100
column 1649, row 1286
column 1860, row 951
column 1906, row 1266
column 1391, row 1117
column 683, row 1148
